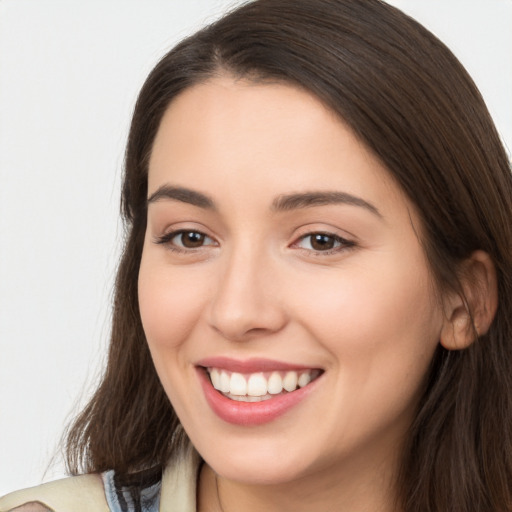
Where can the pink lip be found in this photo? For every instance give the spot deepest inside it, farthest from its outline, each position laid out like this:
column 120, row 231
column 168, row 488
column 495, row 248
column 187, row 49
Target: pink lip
column 249, row 365
column 251, row 413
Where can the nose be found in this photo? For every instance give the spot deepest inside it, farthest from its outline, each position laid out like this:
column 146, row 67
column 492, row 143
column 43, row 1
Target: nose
column 246, row 302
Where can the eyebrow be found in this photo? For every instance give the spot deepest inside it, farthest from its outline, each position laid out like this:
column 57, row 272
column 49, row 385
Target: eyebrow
column 184, row 195
column 280, row 204
column 311, row 199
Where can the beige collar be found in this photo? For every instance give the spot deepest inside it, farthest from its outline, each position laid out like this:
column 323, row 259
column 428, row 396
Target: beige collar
column 179, row 484
column 85, row 493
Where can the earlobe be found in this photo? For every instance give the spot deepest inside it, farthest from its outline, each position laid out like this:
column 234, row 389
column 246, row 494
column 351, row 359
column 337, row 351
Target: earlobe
column 470, row 314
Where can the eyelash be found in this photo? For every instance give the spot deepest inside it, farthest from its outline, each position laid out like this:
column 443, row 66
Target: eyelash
column 168, row 237
column 344, row 244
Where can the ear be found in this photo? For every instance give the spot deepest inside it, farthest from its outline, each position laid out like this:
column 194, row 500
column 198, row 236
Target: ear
column 470, row 314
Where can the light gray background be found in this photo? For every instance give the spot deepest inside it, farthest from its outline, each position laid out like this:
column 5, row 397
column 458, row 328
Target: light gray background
column 69, row 74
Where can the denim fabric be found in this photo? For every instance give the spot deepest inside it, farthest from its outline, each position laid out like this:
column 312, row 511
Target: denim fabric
column 121, row 500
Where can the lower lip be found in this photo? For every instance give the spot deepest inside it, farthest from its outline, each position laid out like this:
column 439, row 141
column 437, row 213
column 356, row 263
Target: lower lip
column 251, row 413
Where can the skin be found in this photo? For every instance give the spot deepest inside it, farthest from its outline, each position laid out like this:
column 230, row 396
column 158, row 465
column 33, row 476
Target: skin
column 365, row 312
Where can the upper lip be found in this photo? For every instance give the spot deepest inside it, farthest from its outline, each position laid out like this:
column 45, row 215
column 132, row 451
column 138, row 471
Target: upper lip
column 250, row 365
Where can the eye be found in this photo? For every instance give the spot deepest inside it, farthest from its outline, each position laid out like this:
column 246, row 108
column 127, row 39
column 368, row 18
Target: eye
column 185, row 239
column 323, row 242
column 190, row 239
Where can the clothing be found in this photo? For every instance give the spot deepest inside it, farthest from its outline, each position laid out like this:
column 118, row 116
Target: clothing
column 87, row 493
column 121, row 500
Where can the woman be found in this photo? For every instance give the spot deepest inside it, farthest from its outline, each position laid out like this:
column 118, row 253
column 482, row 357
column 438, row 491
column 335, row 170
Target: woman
column 313, row 306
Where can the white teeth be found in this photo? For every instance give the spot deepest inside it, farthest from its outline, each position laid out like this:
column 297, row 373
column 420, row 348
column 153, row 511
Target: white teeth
column 290, row 381
column 237, row 384
column 304, row 379
column 257, row 385
column 215, row 376
column 249, row 398
column 275, row 384
column 224, row 382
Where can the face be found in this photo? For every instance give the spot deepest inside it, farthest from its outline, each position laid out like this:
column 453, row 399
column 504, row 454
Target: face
column 285, row 296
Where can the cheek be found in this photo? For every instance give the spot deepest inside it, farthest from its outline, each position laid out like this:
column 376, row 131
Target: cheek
column 379, row 314
column 170, row 304
column 380, row 327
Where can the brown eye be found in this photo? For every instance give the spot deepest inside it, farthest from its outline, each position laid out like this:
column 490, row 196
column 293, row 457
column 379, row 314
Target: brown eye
column 323, row 242
column 182, row 240
column 190, row 239
column 320, row 242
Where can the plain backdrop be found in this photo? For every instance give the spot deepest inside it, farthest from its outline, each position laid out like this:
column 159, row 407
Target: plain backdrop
column 69, row 75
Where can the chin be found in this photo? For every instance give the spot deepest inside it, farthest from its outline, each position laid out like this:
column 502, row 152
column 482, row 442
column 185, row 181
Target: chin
column 258, row 466
column 257, row 474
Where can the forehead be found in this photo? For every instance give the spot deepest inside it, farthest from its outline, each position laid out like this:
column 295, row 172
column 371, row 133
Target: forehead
column 274, row 138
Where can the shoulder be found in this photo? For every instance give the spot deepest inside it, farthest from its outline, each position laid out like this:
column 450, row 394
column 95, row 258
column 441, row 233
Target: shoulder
column 84, row 493
column 33, row 506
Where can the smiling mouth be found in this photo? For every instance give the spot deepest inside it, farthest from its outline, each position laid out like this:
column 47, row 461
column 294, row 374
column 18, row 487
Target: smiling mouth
column 259, row 386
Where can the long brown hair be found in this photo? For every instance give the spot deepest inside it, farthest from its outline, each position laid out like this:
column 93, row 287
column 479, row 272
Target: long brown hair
column 407, row 98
